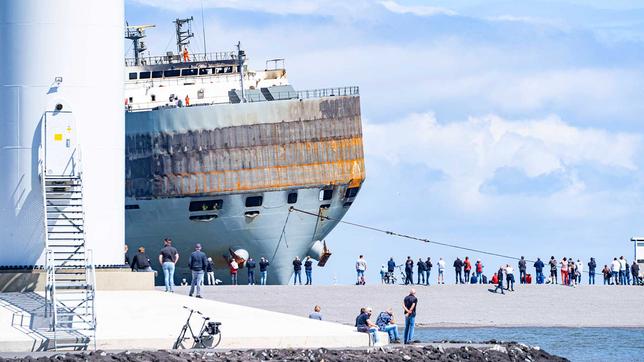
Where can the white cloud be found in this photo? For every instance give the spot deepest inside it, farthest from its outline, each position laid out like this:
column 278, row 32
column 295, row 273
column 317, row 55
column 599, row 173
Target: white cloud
column 420, row 10
column 469, row 153
column 336, row 8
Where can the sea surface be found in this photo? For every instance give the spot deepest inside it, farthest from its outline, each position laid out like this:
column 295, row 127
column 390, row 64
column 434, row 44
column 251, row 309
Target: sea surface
column 576, row 344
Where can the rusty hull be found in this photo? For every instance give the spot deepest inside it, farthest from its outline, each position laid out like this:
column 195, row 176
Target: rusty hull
column 247, row 147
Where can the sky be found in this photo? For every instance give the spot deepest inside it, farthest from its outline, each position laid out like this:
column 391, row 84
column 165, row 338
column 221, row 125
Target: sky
column 511, row 127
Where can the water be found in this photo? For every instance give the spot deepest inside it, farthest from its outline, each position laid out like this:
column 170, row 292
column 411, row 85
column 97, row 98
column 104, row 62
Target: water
column 576, row 344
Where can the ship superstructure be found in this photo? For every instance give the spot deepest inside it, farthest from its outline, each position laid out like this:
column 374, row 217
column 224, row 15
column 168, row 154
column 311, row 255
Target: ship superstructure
column 218, row 153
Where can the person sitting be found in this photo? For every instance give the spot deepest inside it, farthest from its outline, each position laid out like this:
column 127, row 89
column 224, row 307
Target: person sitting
column 385, row 323
column 363, row 324
column 141, row 262
column 316, row 313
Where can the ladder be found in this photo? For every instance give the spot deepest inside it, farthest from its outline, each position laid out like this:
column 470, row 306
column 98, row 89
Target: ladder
column 70, row 285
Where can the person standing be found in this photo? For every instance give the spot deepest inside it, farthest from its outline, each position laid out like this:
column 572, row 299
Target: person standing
column 263, row 270
column 479, row 271
column 308, row 270
column 553, row 270
column 391, row 267
column 428, row 269
column 522, row 270
column 420, row 265
column 198, row 263
column 591, row 271
column 509, row 275
column 635, row 272
column 251, row 265
column 210, row 271
column 127, row 257
column 579, row 270
column 168, row 258
column 234, row 267
column 361, row 267
column 615, row 266
column 410, row 304
column 622, row 270
column 409, row 271
column 141, row 262
column 607, row 274
column 499, row 280
column 297, row 270
column 564, row 271
column 441, row 271
column 458, row 267
column 538, row 267
column 467, row 267
column 572, row 272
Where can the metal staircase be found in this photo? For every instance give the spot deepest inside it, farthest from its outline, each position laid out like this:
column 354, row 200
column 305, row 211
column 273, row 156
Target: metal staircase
column 70, row 286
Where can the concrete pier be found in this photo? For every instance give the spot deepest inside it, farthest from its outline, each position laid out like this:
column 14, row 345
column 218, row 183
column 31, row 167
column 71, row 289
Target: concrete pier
column 453, row 305
column 153, row 319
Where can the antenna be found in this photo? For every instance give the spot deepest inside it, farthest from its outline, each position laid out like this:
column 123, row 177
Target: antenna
column 135, row 33
column 241, row 56
column 203, row 29
column 183, row 34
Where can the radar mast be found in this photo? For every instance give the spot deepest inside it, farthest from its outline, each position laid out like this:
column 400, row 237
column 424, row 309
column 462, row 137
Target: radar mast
column 135, row 33
column 184, row 32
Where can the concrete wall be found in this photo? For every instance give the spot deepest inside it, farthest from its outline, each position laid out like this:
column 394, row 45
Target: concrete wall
column 106, row 279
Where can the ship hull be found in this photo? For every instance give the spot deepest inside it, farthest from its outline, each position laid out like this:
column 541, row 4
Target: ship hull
column 268, row 234
column 227, row 175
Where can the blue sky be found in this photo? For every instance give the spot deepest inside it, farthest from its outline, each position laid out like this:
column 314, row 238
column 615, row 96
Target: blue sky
column 514, row 127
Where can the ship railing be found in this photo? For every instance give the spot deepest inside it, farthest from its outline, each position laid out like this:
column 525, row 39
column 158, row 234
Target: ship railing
column 172, row 58
column 252, row 98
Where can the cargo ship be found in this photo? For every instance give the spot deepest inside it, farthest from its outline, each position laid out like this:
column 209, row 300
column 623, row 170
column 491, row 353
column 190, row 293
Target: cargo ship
column 221, row 154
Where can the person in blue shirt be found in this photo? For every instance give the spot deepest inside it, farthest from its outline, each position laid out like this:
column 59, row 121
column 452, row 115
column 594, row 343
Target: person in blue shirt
column 386, row 323
column 538, row 267
column 308, row 270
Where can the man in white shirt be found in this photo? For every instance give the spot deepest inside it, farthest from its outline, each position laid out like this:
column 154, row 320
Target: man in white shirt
column 580, row 270
column 614, row 268
column 441, row 271
column 361, row 266
column 622, row 270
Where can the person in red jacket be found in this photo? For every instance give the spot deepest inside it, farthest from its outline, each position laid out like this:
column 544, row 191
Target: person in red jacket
column 479, row 271
column 467, row 266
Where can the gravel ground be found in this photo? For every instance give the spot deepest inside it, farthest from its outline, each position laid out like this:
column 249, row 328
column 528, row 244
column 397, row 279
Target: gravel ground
column 451, row 305
column 443, row 352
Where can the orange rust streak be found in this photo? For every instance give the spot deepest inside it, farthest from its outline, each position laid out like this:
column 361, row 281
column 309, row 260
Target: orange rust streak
column 344, row 171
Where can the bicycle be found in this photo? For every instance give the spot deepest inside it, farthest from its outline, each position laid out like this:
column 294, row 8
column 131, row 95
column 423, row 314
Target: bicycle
column 205, row 338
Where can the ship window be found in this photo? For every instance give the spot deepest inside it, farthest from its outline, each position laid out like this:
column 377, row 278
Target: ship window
column 154, row 97
column 144, row 75
column 131, row 99
column 229, row 69
column 292, row 197
column 254, row 201
column 171, row 73
column 157, row 74
column 203, row 71
column 133, row 75
column 203, row 217
column 189, row 71
column 132, row 207
column 326, row 194
column 217, row 70
column 351, row 192
column 206, row 205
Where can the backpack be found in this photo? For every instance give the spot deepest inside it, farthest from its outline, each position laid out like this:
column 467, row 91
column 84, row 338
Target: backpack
column 484, row 279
